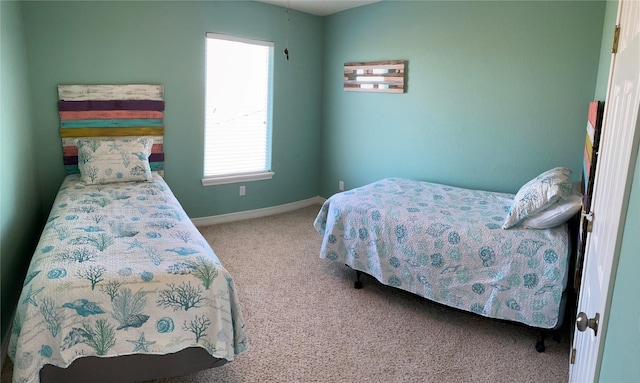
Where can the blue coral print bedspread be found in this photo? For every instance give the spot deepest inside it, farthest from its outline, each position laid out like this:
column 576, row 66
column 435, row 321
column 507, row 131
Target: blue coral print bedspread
column 120, row 269
column 446, row 244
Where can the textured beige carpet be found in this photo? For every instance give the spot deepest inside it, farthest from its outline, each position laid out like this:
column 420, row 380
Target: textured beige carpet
column 306, row 322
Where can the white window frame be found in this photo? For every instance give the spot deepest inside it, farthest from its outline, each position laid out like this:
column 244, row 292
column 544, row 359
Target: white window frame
column 266, row 174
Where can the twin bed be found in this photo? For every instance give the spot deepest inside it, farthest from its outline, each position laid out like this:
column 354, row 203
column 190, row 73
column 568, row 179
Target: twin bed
column 499, row 255
column 122, row 286
column 121, row 270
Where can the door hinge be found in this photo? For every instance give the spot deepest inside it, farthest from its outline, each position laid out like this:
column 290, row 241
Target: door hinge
column 589, row 218
column 573, row 356
column 616, row 38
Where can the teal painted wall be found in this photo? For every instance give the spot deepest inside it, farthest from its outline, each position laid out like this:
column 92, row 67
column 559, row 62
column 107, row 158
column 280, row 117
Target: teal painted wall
column 20, row 208
column 611, row 11
column 622, row 340
column 497, row 92
column 164, row 42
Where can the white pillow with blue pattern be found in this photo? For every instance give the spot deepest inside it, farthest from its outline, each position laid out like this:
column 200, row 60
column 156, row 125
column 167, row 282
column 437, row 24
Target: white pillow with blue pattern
column 539, row 194
column 103, row 161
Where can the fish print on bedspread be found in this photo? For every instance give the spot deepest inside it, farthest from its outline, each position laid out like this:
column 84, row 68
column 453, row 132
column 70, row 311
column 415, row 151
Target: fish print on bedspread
column 120, row 269
column 447, row 244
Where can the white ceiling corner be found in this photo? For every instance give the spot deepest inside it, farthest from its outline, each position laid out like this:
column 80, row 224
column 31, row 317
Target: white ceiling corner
column 319, row 7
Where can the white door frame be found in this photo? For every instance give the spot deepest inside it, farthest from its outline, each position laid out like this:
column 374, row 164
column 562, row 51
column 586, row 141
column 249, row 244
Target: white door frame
column 613, row 179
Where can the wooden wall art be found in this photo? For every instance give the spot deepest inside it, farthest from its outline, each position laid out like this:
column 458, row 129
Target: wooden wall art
column 375, row 76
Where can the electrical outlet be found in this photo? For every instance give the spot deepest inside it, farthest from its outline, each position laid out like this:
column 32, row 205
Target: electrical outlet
column 341, row 185
column 242, row 190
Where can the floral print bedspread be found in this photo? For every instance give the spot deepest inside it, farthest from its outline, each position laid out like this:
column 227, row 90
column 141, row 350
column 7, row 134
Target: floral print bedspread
column 447, row 244
column 120, row 269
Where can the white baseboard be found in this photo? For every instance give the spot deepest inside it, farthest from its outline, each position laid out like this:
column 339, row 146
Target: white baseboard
column 223, row 218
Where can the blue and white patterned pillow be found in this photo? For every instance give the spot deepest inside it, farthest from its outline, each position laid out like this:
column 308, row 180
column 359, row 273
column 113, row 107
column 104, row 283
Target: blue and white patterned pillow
column 114, row 160
column 538, row 194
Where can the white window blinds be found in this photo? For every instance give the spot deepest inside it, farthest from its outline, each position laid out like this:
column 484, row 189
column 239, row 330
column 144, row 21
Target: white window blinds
column 237, row 109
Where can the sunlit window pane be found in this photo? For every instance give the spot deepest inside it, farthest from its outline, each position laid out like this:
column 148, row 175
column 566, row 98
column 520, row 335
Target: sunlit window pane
column 237, row 106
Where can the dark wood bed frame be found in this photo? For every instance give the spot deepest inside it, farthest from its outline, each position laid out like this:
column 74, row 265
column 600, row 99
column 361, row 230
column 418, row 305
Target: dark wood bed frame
column 131, row 368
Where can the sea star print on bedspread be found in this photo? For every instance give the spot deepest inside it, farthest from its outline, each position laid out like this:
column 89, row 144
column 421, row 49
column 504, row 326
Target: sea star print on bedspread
column 120, row 269
column 446, row 244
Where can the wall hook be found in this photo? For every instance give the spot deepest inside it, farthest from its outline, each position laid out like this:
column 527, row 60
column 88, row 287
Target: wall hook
column 286, row 49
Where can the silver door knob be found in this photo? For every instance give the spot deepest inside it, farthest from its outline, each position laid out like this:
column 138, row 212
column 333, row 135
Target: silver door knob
column 583, row 321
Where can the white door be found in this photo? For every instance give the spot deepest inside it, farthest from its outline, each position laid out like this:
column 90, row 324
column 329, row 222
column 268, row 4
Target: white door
column 619, row 147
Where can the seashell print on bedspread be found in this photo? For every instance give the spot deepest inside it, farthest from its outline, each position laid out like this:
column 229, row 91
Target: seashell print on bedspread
column 120, row 269
column 447, row 244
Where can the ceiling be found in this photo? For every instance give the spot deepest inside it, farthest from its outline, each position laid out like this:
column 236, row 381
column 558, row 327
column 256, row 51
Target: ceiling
column 319, row 7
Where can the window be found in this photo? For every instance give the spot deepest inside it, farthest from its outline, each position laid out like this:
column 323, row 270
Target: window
column 237, row 109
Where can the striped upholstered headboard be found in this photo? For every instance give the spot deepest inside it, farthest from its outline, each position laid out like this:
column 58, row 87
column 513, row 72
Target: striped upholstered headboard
column 591, row 147
column 105, row 111
column 590, row 160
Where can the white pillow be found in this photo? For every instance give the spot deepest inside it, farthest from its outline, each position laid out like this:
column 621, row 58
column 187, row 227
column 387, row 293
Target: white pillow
column 538, row 194
column 114, row 160
column 556, row 214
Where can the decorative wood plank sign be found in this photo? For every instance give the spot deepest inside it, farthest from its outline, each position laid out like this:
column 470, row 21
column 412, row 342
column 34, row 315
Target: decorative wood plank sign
column 375, row 76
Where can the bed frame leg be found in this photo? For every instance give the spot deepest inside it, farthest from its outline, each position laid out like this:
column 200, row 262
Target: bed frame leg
column 540, row 347
column 555, row 335
column 358, row 284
